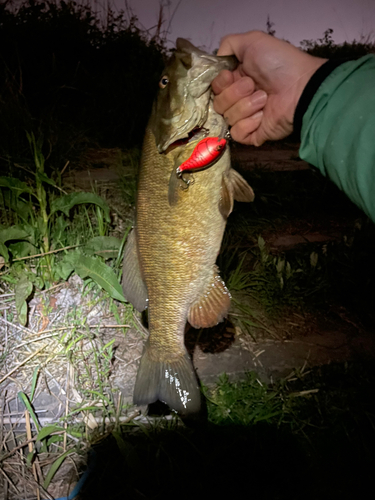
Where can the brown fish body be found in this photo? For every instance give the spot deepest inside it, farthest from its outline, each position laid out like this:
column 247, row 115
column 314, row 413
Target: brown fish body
column 177, row 245
column 169, row 262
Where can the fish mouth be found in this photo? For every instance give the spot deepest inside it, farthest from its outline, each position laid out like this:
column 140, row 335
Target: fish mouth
column 194, row 135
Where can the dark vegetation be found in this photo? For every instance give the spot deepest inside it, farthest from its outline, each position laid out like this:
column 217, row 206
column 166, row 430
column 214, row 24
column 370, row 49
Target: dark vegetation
column 326, row 47
column 73, row 77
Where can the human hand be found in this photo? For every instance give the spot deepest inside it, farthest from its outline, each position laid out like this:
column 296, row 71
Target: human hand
column 259, row 98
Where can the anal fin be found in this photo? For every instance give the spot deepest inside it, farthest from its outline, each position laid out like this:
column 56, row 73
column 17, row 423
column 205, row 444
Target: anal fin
column 213, row 306
column 134, row 288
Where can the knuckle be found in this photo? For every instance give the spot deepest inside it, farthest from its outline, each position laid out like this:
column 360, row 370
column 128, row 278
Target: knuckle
column 219, row 104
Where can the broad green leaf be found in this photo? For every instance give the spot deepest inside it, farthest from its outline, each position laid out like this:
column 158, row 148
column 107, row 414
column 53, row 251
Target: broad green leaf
column 4, row 252
column 15, row 185
column 105, row 246
column 23, row 209
column 22, row 249
column 58, row 228
column 101, row 274
column 63, row 270
column 54, row 467
column 22, row 290
column 67, row 265
column 66, row 203
column 46, row 431
column 30, row 229
column 44, row 178
column 22, row 312
column 13, row 233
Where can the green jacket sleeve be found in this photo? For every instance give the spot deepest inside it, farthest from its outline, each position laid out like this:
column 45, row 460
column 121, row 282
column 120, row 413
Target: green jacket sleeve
column 338, row 131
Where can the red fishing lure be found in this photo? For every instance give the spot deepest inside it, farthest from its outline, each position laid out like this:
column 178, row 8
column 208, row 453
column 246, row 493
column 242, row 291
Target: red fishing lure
column 205, row 153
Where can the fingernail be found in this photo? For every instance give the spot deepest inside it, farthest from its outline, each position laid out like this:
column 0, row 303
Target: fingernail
column 257, row 115
column 259, row 98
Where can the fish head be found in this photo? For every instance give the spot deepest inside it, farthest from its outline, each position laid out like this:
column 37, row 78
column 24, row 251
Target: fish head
column 182, row 103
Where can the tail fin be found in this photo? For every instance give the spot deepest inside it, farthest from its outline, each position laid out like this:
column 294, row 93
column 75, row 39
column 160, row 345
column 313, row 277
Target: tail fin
column 173, row 383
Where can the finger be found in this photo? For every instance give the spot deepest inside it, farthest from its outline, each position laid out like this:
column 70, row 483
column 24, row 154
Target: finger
column 246, row 107
column 225, row 78
column 235, row 92
column 230, row 44
column 244, row 129
column 237, row 44
column 222, row 81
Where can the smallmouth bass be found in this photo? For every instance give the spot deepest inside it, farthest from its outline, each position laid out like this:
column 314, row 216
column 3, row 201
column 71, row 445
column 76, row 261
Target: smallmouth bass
column 169, row 261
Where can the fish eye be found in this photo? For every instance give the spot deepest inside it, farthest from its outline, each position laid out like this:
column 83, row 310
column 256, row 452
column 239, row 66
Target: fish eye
column 163, row 82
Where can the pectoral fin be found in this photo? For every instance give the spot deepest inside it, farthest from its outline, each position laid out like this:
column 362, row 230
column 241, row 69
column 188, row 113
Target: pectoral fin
column 213, row 306
column 233, row 187
column 226, row 197
column 134, row 288
column 241, row 189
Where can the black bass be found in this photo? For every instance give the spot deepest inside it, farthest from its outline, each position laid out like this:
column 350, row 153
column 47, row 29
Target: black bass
column 169, row 262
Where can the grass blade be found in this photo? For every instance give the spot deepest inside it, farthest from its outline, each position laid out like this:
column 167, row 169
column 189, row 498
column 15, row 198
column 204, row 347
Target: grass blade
column 25, row 400
column 46, row 431
column 34, row 382
column 55, row 467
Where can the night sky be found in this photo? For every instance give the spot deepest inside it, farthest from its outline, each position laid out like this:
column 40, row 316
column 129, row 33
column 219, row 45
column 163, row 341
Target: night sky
column 204, row 22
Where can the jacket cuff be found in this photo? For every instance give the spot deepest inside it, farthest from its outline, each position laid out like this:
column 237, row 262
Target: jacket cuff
column 309, row 91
